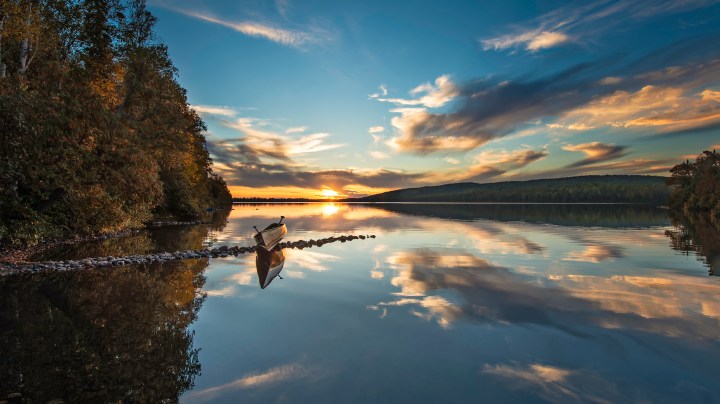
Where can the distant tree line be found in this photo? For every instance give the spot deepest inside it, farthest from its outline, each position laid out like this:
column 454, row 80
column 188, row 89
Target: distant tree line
column 96, row 134
column 278, row 200
column 583, row 189
column 696, row 185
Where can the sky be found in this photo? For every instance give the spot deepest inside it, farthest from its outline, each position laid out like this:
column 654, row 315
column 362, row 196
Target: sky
column 350, row 98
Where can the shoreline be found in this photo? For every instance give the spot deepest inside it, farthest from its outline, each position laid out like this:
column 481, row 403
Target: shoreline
column 15, row 255
column 8, row 269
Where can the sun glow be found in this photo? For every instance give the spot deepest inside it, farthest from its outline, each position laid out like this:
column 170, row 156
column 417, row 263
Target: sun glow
column 329, row 193
column 329, row 209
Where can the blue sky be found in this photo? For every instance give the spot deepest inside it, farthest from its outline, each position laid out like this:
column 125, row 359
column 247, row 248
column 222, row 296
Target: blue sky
column 363, row 97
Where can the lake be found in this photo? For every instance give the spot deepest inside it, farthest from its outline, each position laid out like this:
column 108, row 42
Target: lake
column 449, row 303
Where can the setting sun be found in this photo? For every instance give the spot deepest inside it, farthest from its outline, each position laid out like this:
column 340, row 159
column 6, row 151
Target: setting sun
column 329, row 193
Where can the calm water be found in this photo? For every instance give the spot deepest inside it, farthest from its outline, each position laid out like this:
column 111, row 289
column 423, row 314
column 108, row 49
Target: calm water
column 450, row 303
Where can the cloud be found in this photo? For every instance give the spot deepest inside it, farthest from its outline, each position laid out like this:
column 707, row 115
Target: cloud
column 636, row 166
column 376, row 129
column 452, row 161
column 556, row 384
column 266, row 159
column 256, row 164
column 596, row 152
column 584, row 22
column 596, row 253
column 377, row 275
column 298, row 129
column 260, row 30
column 490, row 164
column 262, row 158
column 272, row 376
column 665, row 98
column 383, row 92
column 259, row 141
column 282, row 7
column 533, row 40
column 533, row 373
column 488, row 109
column 681, row 305
column 431, row 95
column 660, row 108
column 214, row 110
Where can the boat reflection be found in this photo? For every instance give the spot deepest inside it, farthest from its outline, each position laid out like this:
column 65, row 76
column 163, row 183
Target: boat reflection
column 268, row 265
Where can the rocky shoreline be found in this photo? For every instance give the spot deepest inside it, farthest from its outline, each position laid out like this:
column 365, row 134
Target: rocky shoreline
column 21, row 254
column 109, row 261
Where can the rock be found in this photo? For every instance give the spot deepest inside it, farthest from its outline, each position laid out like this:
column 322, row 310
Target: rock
column 223, row 248
column 362, row 237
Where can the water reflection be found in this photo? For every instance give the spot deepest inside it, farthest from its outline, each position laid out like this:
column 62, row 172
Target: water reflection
column 268, row 265
column 447, row 286
column 101, row 336
column 448, row 304
column 119, row 334
column 159, row 239
column 597, row 215
column 699, row 234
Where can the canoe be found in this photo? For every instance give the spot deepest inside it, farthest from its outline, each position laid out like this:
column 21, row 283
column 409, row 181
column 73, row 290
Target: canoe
column 268, row 265
column 271, row 235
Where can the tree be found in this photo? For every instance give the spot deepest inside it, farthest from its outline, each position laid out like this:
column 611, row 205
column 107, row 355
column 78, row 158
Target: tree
column 696, row 185
column 96, row 132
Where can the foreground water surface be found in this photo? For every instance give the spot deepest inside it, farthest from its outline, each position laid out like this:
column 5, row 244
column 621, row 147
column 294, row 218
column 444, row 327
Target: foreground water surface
column 450, row 303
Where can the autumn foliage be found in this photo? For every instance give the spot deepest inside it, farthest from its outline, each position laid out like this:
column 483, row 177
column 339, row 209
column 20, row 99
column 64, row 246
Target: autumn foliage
column 96, row 134
column 696, row 185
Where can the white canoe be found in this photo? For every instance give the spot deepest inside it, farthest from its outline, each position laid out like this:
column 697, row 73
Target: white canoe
column 271, row 236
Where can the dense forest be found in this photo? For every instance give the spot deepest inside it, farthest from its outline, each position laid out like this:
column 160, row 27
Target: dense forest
column 587, row 189
column 696, row 185
column 96, row 134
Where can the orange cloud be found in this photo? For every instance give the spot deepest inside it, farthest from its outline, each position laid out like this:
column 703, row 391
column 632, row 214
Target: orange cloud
column 668, row 108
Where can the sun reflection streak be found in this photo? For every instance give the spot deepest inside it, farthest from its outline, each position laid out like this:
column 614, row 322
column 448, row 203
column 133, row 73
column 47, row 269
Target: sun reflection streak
column 329, row 209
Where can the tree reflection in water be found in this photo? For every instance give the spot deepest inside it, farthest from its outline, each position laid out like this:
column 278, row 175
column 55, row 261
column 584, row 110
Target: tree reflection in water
column 101, row 336
column 698, row 234
column 106, row 335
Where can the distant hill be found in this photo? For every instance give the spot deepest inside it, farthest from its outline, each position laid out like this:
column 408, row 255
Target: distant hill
column 583, row 189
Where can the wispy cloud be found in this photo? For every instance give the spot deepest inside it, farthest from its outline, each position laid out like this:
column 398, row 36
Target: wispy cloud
column 298, row 129
column 533, row 40
column 662, row 108
column 282, row 7
column 284, row 36
column 256, row 380
column 430, row 95
column 488, row 165
column 271, row 144
column 383, row 91
column 596, row 152
column 214, row 110
column 577, row 23
column 376, row 129
column 596, row 253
